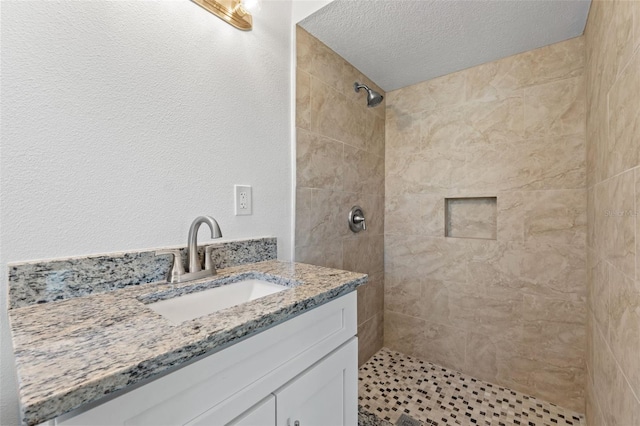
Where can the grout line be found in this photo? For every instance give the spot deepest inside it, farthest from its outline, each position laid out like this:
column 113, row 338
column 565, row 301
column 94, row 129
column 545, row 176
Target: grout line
column 620, row 370
column 595, row 398
column 612, row 177
column 635, row 51
column 339, row 141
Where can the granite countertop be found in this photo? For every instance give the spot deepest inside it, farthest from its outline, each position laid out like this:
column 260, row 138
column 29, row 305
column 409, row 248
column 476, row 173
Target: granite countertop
column 76, row 351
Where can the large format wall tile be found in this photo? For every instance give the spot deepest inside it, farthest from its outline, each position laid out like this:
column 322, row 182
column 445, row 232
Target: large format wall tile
column 340, row 151
column 625, row 408
column 364, row 254
column 613, row 99
column 428, row 171
column 533, row 268
column 561, row 323
column 334, row 70
column 402, row 133
column 326, row 221
column 474, row 123
column 489, row 314
column 623, row 149
column 533, row 164
column 374, row 133
column 510, row 211
column 591, row 335
column 444, row 345
column 403, row 332
column 622, row 34
column 306, row 44
column 315, row 58
column 327, row 253
column 556, row 217
column 335, row 116
column 415, row 214
column 363, row 171
column 625, row 325
column 303, row 217
column 597, row 135
column 601, row 204
column 550, row 63
column 370, row 337
column 517, row 134
column 437, row 343
column 556, row 108
column 591, row 217
column 563, row 384
column 319, row 161
column 374, row 298
column 303, row 100
column 636, row 24
column 615, row 216
column 499, row 360
column 404, row 293
column 604, row 373
column 599, row 294
column 439, row 92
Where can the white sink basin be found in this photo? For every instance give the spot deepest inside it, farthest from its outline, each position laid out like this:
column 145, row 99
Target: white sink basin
column 201, row 303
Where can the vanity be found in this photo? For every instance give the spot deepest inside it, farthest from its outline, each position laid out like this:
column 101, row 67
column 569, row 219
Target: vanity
column 114, row 354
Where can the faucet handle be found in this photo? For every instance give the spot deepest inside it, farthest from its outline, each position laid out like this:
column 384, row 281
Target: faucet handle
column 208, row 260
column 177, row 269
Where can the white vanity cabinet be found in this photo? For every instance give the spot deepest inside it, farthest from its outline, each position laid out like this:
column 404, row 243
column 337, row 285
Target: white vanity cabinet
column 264, row 413
column 303, row 370
column 323, row 395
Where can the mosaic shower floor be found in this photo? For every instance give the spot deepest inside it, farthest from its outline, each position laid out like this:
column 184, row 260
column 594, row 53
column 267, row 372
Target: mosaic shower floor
column 396, row 389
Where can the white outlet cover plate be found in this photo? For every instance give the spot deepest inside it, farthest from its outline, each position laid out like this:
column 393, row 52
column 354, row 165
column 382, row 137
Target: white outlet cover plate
column 243, row 200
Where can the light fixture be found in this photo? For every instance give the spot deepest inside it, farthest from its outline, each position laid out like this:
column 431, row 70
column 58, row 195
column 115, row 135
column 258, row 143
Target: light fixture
column 234, row 12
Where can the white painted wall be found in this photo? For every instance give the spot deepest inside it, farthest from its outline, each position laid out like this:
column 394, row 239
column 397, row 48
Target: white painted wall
column 122, row 121
column 301, row 9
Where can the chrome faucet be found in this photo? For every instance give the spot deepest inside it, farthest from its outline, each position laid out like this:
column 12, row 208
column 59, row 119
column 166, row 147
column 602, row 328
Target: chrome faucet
column 177, row 273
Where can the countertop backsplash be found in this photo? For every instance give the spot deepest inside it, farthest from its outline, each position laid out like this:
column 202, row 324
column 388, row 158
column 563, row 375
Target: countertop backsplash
column 45, row 281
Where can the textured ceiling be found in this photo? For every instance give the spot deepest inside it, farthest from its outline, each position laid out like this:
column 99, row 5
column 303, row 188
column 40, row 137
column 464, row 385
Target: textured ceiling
column 397, row 43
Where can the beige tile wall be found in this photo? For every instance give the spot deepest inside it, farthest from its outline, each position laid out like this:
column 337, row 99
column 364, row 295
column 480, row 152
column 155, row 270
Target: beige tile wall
column 612, row 39
column 511, row 310
column 340, row 163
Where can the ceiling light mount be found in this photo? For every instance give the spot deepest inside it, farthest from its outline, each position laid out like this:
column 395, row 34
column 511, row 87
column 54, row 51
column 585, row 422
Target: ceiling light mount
column 234, row 12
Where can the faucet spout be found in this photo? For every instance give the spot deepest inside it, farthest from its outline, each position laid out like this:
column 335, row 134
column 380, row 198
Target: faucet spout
column 194, row 262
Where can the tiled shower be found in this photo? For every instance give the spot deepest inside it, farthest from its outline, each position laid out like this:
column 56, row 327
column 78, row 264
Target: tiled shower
column 504, row 299
column 504, row 206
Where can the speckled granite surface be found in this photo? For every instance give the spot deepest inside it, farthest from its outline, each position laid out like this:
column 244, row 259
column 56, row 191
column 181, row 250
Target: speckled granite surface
column 75, row 351
column 366, row 418
column 59, row 279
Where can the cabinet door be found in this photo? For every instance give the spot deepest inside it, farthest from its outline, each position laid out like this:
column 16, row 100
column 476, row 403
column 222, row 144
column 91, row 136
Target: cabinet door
column 261, row 414
column 325, row 394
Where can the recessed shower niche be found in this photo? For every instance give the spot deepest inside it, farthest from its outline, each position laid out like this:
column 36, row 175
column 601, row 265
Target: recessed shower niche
column 472, row 217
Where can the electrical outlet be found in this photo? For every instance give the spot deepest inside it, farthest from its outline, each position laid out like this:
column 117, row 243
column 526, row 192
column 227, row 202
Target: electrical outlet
column 243, row 200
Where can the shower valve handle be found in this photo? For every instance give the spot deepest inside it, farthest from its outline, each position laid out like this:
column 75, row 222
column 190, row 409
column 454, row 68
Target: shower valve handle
column 360, row 219
column 356, row 219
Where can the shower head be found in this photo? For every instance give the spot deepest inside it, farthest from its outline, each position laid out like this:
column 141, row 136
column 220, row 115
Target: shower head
column 373, row 98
